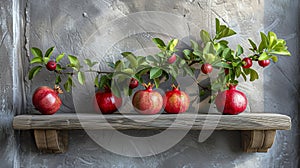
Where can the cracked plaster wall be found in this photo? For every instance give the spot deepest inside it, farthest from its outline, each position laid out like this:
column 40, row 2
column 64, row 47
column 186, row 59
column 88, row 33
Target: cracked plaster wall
column 68, row 25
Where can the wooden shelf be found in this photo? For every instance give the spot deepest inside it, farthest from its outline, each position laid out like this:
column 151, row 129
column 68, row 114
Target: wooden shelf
column 257, row 129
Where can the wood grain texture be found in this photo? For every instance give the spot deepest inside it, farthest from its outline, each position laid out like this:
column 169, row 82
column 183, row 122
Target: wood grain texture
column 244, row 121
column 51, row 141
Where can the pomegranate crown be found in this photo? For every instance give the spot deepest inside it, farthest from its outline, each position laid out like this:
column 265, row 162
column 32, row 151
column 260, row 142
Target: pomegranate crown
column 175, row 87
column 57, row 89
column 148, row 86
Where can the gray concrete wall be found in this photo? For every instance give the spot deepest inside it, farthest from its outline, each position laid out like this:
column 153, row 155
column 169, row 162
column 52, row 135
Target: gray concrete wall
column 69, row 26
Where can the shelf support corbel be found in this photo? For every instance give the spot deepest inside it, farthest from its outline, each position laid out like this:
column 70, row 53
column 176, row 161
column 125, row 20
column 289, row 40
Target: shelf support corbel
column 257, row 140
column 51, row 141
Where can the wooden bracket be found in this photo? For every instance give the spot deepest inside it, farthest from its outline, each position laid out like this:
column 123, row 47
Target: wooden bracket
column 51, row 141
column 257, row 140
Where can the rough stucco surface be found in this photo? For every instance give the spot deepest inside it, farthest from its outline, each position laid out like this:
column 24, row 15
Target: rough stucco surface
column 68, row 25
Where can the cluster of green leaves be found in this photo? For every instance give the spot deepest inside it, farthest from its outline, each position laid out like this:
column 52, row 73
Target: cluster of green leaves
column 217, row 53
column 269, row 47
column 74, row 67
column 153, row 68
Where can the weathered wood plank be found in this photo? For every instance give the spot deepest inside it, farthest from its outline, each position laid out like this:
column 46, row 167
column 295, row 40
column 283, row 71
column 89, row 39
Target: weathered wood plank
column 245, row 121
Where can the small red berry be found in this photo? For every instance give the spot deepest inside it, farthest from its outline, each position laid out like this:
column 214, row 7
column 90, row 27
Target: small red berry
column 247, row 62
column 133, row 83
column 172, row 59
column 264, row 63
column 206, row 68
column 51, row 65
column 226, row 71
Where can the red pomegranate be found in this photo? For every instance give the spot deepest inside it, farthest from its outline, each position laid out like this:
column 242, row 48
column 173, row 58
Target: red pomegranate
column 231, row 101
column 172, row 59
column 206, row 68
column 147, row 101
column 107, row 102
column 51, row 65
column 247, row 62
column 46, row 100
column 133, row 83
column 264, row 63
column 176, row 101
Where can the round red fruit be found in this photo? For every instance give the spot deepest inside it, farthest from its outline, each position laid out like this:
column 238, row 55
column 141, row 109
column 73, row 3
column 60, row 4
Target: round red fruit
column 46, row 100
column 172, row 59
column 206, row 68
column 51, row 65
column 176, row 101
column 247, row 62
column 147, row 101
column 264, row 63
column 107, row 102
column 231, row 101
column 133, row 83
column 226, row 71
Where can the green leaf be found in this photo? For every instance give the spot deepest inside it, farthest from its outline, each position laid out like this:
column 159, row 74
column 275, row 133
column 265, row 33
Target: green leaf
column 264, row 42
column 131, row 58
column 105, row 80
column 74, row 61
column 89, row 62
column 58, row 67
column 57, row 80
column 96, row 81
column 246, row 71
column 209, row 48
column 142, row 60
column 36, row 60
column 69, row 83
column 151, row 59
column 205, row 36
column 159, row 43
column 252, row 44
column 36, row 52
column 263, row 56
column 253, row 75
column 35, row 70
column 238, row 71
column 227, row 54
column 188, row 71
column 115, row 90
column 239, row 50
column 155, row 72
column 119, row 65
column 187, row 53
column 217, row 26
column 173, row 71
column 274, row 58
column 81, row 77
column 111, row 65
column 195, row 45
column 244, row 76
column 46, row 60
column 128, row 71
column 59, row 57
column 272, row 39
column 156, row 82
column 172, row 44
column 209, row 58
column 281, row 52
column 49, row 52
